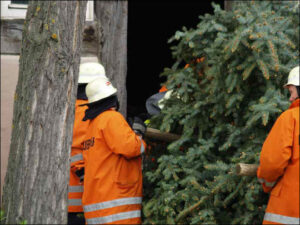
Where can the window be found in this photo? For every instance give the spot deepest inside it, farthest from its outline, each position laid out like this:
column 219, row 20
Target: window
column 19, row 2
column 16, row 9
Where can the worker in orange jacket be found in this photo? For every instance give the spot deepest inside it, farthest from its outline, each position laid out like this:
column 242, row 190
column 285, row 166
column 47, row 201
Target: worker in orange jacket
column 279, row 161
column 155, row 103
column 87, row 72
column 113, row 165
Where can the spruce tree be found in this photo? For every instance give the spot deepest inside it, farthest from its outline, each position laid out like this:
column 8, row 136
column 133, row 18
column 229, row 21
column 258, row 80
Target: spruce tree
column 223, row 104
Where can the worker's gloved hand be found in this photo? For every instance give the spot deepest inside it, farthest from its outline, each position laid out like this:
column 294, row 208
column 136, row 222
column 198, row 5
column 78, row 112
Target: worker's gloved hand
column 80, row 174
column 138, row 126
column 144, row 116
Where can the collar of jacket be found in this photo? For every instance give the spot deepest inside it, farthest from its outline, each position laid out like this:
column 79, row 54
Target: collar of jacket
column 96, row 108
column 295, row 103
column 81, row 92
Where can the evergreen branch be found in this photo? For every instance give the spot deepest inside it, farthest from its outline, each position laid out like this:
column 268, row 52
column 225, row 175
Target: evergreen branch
column 257, row 45
column 176, row 178
column 264, row 69
column 274, row 55
column 236, row 42
column 248, row 71
column 265, row 118
column 187, row 211
column 246, row 44
column 288, row 41
column 233, row 194
column 196, row 184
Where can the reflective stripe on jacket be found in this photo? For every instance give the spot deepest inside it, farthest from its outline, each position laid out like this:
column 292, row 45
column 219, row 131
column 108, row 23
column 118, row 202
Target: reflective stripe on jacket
column 279, row 168
column 76, row 160
column 113, row 173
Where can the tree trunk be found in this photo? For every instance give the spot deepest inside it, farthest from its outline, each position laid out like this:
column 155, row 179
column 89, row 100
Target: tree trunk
column 112, row 50
column 228, row 5
column 37, row 176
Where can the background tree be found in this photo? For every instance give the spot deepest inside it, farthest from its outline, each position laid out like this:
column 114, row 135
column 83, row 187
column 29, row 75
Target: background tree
column 224, row 104
column 112, row 19
column 36, row 182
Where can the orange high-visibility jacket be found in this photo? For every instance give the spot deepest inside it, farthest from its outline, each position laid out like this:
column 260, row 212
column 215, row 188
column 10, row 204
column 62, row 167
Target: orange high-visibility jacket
column 279, row 168
column 113, row 171
column 79, row 130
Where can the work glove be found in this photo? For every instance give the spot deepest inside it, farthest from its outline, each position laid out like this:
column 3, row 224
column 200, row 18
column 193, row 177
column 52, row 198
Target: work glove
column 144, row 116
column 80, row 174
column 138, row 126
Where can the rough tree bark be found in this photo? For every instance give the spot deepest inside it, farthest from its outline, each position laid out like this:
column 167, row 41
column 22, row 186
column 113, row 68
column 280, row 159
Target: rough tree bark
column 112, row 19
column 36, row 182
column 228, row 5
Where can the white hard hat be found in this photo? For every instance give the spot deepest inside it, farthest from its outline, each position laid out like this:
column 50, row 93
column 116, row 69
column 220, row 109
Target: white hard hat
column 293, row 78
column 90, row 71
column 99, row 88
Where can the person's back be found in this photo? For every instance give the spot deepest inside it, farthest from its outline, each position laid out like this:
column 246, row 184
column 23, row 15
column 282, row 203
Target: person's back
column 87, row 73
column 114, row 180
column 113, row 167
column 77, row 165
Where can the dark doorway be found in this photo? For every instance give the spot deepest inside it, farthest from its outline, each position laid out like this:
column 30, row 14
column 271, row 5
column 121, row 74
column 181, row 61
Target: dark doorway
column 150, row 25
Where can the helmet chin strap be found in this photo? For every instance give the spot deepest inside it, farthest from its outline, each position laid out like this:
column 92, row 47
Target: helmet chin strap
column 96, row 108
column 118, row 104
column 298, row 91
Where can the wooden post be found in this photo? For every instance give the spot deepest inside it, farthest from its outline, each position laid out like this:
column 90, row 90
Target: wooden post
column 162, row 136
column 243, row 169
